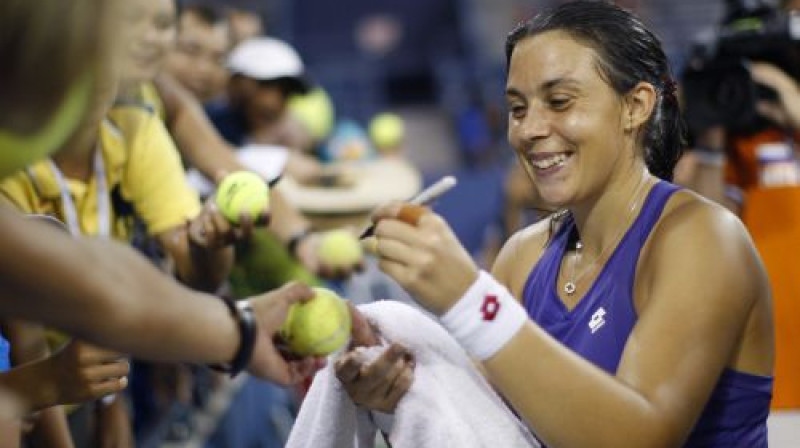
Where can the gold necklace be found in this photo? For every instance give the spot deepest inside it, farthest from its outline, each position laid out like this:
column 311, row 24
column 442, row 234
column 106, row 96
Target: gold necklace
column 572, row 284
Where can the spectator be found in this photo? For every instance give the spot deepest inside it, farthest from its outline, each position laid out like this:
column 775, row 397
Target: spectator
column 102, row 192
column 202, row 46
column 125, row 303
column 152, row 34
column 754, row 171
column 245, row 25
column 265, row 72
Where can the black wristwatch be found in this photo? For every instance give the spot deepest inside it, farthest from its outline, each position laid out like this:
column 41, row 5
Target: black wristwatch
column 246, row 322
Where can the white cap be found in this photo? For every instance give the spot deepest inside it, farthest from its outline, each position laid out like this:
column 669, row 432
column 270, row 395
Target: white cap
column 264, row 59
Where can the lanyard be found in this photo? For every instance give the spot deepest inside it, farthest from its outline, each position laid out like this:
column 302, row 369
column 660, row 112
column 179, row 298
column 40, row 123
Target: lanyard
column 68, row 205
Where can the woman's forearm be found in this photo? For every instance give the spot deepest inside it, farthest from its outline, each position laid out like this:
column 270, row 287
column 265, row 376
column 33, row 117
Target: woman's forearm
column 51, row 429
column 106, row 293
column 209, row 268
column 196, row 137
column 286, row 220
column 611, row 414
column 31, row 386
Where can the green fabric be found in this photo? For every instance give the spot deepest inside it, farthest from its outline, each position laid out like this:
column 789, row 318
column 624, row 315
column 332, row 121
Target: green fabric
column 263, row 264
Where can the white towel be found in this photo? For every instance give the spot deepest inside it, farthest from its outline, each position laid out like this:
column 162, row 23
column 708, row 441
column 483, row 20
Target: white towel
column 449, row 403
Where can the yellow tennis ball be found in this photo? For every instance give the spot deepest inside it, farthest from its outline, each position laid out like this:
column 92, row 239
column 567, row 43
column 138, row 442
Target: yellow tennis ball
column 386, row 130
column 315, row 111
column 242, row 192
column 319, row 326
column 340, row 248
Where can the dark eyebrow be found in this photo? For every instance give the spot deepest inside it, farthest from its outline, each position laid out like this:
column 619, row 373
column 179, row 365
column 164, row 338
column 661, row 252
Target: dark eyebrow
column 559, row 82
column 547, row 85
column 511, row 91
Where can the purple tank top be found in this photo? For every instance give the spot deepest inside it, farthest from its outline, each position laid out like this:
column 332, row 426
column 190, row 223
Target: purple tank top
column 598, row 327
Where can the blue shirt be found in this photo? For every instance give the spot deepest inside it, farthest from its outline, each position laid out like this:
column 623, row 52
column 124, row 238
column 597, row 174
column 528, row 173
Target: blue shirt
column 598, row 327
column 5, row 354
column 229, row 121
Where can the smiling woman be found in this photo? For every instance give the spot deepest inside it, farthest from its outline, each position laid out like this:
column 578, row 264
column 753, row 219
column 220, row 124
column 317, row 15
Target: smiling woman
column 149, row 37
column 640, row 314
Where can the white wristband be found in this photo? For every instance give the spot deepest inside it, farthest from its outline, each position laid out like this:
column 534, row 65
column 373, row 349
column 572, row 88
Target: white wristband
column 485, row 318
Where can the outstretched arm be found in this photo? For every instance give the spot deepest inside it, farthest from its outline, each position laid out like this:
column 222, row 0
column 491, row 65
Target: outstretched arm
column 28, row 344
column 106, row 293
column 200, row 143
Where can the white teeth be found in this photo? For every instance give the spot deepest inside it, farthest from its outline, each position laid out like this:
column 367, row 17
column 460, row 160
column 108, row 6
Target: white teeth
column 557, row 159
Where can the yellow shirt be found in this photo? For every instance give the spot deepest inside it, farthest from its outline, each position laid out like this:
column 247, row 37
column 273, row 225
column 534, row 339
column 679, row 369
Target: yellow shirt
column 143, row 173
column 144, row 176
column 149, row 95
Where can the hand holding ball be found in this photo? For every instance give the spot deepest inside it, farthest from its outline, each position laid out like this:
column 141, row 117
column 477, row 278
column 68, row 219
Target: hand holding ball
column 242, row 193
column 319, row 326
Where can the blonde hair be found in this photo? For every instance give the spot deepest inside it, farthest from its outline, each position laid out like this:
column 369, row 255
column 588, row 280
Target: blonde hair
column 46, row 47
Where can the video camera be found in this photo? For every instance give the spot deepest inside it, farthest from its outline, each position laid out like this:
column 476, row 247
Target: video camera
column 717, row 85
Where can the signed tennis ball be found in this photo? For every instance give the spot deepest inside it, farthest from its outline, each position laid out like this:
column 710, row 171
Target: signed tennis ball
column 386, row 130
column 319, row 326
column 242, row 192
column 339, row 249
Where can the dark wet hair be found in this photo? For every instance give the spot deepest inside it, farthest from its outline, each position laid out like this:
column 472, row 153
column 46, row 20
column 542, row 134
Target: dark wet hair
column 628, row 53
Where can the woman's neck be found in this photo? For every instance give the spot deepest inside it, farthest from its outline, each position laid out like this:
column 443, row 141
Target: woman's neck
column 603, row 220
column 76, row 156
column 130, row 90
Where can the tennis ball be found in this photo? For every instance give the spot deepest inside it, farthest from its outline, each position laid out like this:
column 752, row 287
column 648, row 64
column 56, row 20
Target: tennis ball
column 339, row 249
column 319, row 326
column 386, row 130
column 315, row 111
column 242, row 192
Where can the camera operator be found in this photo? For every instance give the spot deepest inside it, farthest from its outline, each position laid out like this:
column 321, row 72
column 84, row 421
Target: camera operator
column 745, row 154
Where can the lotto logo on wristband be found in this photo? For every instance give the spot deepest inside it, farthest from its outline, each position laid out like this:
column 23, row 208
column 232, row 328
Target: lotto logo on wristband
column 490, row 307
column 476, row 322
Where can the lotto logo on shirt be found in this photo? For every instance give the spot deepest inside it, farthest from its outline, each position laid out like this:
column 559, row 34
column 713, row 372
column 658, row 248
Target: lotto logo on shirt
column 598, row 320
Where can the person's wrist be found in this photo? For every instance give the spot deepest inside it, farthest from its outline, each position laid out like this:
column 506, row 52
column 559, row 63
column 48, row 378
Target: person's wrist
column 219, row 175
column 294, row 242
column 485, row 319
column 459, row 294
column 41, row 389
column 246, row 325
column 709, row 156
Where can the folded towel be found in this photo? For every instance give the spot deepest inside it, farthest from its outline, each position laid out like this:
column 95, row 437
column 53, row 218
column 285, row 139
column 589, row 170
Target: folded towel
column 449, row 403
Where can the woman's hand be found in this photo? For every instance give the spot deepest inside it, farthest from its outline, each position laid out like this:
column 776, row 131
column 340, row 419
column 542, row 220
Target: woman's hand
column 423, row 255
column 211, row 230
column 270, row 311
column 771, row 76
column 378, row 385
column 785, row 111
column 83, row 372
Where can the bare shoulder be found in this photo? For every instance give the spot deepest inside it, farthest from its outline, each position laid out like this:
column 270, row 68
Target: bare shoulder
column 705, row 222
column 694, row 231
column 520, row 253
